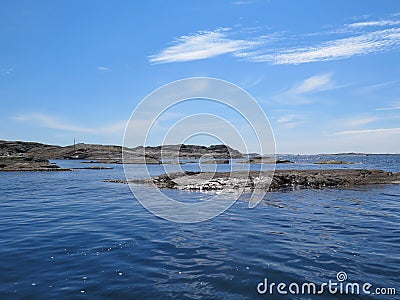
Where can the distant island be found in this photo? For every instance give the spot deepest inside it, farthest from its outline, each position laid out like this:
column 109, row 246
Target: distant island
column 18, row 155
column 32, row 156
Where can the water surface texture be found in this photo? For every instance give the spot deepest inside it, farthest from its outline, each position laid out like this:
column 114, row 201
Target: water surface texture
column 71, row 235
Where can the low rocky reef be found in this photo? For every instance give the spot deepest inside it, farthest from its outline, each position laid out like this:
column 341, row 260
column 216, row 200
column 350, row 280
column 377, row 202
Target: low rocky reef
column 15, row 163
column 266, row 160
column 36, row 164
column 334, row 162
column 93, row 168
column 281, row 179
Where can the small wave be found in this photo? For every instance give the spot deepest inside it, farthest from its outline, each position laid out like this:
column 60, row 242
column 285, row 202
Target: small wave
column 390, row 195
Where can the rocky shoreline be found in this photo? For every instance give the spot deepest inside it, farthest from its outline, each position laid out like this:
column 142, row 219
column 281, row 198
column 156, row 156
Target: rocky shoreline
column 282, row 179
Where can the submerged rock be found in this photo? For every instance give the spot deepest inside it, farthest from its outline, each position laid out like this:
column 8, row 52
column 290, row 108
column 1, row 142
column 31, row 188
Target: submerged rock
column 283, row 161
column 93, row 168
column 216, row 161
column 265, row 160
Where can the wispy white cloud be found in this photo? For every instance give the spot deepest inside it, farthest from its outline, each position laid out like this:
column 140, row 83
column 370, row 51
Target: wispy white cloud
column 243, row 2
column 314, row 83
column 112, row 128
column 104, row 69
column 359, row 121
column 250, row 82
column 290, row 120
column 52, row 122
column 374, row 23
column 388, row 108
column 376, row 41
column 261, row 48
column 379, row 86
column 368, row 131
column 6, row 71
column 300, row 93
column 203, row 44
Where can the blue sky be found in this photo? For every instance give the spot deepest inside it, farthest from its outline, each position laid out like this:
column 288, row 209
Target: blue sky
column 326, row 73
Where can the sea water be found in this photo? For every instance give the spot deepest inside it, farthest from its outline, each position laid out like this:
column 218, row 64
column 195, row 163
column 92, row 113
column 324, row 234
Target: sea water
column 72, row 235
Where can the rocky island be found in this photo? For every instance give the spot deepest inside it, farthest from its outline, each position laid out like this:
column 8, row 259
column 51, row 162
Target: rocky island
column 15, row 163
column 113, row 154
column 32, row 156
column 281, row 179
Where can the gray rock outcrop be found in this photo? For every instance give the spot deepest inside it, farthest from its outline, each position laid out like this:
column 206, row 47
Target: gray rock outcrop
column 282, row 179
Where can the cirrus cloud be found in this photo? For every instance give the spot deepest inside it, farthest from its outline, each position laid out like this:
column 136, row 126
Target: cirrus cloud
column 208, row 44
column 53, row 122
column 376, row 41
column 203, row 44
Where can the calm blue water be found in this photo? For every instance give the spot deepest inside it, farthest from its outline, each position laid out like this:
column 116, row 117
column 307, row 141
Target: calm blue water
column 71, row 235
